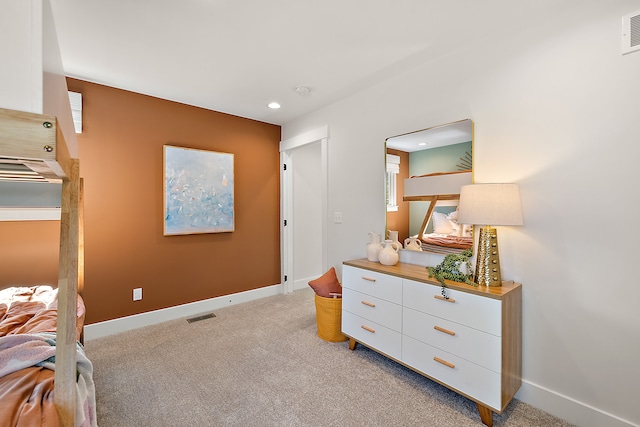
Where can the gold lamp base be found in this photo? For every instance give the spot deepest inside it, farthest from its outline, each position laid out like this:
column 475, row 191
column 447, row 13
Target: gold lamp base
column 488, row 259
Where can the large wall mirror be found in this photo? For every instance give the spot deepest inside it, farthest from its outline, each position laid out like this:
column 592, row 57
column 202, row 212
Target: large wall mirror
column 425, row 170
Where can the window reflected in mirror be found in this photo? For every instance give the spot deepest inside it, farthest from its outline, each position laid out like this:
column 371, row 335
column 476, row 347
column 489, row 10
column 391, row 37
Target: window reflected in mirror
column 393, row 169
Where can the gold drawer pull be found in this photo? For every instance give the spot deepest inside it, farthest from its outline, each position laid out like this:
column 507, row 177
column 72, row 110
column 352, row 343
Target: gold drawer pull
column 370, row 279
column 370, row 304
column 366, row 328
column 446, row 331
column 444, row 362
column 440, row 297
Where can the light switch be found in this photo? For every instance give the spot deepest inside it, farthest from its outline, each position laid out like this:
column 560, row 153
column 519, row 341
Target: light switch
column 337, row 217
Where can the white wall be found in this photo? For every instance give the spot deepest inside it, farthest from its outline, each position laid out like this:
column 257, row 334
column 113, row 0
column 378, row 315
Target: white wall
column 35, row 81
column 555, row 110
column 21, row 84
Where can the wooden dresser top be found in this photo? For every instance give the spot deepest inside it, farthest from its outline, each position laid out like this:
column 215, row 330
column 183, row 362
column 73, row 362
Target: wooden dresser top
column 421, row 274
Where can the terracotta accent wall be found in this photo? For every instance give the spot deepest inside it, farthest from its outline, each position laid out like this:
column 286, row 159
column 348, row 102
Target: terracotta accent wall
column 121, row 150
column 399, row 221
column 29, row 253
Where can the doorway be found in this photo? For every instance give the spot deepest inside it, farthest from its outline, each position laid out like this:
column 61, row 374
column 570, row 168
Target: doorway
column 303, row 208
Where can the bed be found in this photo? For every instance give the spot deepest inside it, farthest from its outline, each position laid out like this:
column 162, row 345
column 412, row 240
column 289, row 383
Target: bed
column 38, row 143
column 446, row 235
column 44, row 319
column 28, row 319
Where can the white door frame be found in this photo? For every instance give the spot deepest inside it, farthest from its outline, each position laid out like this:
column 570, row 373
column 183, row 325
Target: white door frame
column 286, row 203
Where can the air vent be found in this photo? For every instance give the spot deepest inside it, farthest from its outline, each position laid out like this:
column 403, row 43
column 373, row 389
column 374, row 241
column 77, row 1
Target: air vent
column 203, row 317
column 631, row 33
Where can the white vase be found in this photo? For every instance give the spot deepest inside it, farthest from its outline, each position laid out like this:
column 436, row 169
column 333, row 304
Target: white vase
column 393, row 236
column 389, row 253
column 373, row 247
column 412, row 244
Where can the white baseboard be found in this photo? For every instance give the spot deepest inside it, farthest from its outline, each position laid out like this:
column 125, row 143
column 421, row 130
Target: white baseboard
column 568, row 409
column 303, row 283
column 110, row 327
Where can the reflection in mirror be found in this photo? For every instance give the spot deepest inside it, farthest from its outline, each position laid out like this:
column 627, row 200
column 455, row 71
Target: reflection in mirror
column 425, row 170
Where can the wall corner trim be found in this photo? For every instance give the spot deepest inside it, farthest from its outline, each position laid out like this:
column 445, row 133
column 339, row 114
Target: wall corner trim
column 123, row 324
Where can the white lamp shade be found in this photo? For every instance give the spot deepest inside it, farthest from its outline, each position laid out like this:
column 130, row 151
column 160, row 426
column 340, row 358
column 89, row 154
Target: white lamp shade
column 490, row 204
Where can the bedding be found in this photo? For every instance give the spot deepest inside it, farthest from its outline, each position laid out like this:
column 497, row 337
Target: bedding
column 27, row 359
column 448, row 241
column 448, row 235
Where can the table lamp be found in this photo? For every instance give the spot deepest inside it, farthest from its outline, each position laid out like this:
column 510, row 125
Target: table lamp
column 488, row 205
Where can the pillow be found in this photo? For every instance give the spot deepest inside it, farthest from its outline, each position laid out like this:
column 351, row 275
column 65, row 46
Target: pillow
column 327, row 283
column 441, row 224
column 456, row 229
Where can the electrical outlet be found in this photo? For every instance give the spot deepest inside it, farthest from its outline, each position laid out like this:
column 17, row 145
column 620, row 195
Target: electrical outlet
column 137, row 294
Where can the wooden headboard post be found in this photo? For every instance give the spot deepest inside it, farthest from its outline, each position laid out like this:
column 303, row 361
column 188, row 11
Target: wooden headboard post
column 68, row 279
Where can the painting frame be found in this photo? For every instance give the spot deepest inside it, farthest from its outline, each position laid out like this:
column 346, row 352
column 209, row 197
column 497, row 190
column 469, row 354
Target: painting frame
column 198, row 191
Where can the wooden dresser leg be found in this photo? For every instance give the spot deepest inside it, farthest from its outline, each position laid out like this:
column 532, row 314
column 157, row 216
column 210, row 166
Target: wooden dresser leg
column 486, row 415
column 352, row 344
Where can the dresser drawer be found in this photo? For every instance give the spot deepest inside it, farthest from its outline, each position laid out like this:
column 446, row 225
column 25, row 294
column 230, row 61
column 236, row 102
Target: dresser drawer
column 382, row 312
column 473, row 380
column 372, row 334
column 470, row 344
column 472, row 310
column 368, row 282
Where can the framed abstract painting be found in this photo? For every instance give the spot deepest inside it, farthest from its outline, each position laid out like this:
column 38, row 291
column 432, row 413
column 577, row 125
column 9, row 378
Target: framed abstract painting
column 198, row 191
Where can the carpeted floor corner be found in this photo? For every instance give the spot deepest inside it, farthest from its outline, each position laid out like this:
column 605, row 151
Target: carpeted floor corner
column 261, row 364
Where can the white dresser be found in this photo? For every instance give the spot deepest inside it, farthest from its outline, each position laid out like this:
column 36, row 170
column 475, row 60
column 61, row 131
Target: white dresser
column 470, row 342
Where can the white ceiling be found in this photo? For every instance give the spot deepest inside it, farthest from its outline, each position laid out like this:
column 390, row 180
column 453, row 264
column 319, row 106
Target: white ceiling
column 236, row 56
column 438, row 136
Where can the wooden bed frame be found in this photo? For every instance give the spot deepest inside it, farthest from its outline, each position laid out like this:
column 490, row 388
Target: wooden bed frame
column 37, row 142
column 434, row 188
column 434, row 200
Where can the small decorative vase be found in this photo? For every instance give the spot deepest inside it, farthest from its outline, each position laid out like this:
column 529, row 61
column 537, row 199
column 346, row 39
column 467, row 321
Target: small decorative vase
column 393, row 236
column 373, row 247
column 389, row 253
column 412, row 244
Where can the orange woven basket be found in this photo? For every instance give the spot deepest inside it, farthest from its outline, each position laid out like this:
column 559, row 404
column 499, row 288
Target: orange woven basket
column 329, row 318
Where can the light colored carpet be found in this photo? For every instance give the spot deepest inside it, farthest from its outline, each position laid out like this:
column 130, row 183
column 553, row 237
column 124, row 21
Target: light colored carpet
column 261, row 364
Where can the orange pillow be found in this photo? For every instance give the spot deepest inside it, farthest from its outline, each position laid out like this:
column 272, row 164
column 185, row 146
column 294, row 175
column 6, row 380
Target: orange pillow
column 327, row 283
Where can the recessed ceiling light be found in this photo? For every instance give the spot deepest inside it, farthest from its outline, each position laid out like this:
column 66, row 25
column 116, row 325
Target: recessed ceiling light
column 422, row 143
column 274, row 105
